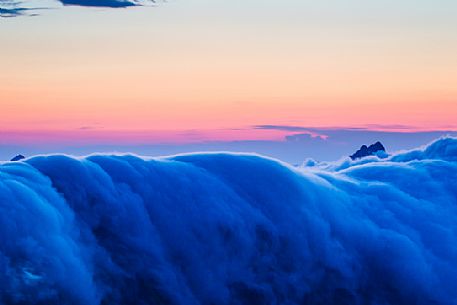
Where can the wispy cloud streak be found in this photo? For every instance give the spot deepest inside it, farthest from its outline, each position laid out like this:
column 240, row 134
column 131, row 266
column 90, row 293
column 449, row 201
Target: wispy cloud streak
column 10, row 8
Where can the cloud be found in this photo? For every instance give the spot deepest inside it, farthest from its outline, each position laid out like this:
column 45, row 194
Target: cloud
column 229, row 229
column 11, row 8
column 281, row 127
column 313, row 132
column 10, row 12
column 102, row 3
column 367, row 127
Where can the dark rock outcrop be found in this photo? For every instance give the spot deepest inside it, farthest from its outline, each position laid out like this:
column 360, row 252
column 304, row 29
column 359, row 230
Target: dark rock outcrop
column 18, row 158
column 366, row 151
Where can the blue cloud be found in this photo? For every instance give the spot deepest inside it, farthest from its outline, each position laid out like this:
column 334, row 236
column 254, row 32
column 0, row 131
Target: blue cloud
column 12, row 8
column 230, row 229
column 102, row 3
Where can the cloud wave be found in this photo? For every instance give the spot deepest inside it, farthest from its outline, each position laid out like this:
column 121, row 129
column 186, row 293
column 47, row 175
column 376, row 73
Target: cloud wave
column 230, row 229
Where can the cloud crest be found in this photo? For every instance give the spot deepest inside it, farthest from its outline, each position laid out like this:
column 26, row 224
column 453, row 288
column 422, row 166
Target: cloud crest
column 230, row 229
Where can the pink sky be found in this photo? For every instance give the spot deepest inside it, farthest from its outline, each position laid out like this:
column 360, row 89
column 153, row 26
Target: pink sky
column 161, row 73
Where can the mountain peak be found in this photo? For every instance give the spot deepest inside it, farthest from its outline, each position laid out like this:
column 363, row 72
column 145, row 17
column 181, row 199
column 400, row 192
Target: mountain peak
column 18, row 158
column 366, row 151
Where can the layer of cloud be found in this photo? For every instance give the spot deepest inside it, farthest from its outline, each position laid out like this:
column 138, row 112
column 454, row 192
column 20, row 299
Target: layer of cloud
column 230, row 229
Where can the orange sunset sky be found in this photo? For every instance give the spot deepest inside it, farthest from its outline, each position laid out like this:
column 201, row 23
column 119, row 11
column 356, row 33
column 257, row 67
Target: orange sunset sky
column 220, row 68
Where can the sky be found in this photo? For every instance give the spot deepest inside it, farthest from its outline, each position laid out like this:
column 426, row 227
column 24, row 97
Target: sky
column 185, row 72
